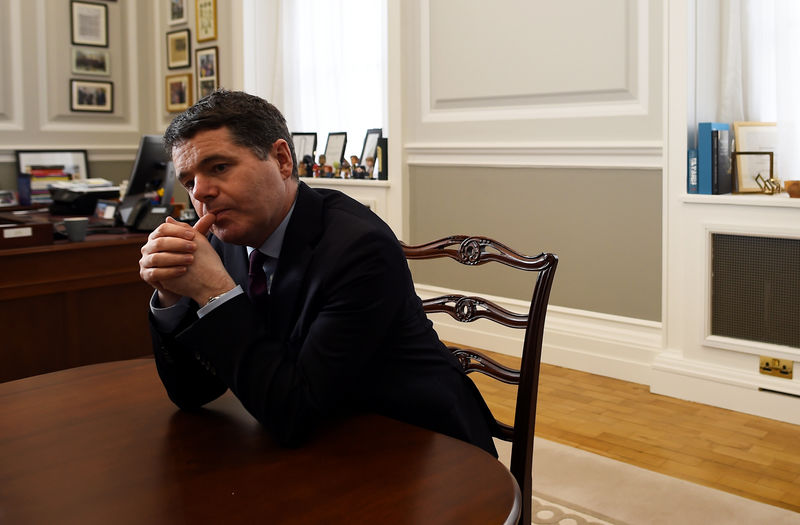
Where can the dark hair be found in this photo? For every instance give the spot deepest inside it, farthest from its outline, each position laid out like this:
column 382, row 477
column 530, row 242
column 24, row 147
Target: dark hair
column 253, row 123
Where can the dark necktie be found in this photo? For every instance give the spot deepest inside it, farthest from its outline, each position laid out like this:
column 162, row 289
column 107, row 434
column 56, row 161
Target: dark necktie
column 257, row 279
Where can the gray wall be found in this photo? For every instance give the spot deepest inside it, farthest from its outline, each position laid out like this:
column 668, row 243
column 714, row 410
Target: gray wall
column 605, row 226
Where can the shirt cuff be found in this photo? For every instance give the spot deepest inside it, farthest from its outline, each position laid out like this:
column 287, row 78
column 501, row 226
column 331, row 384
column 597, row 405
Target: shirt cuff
column 167, row 319
column 227, row 296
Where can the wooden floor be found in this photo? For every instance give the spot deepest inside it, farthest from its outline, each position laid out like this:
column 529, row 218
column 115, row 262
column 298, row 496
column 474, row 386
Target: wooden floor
column 753, row 457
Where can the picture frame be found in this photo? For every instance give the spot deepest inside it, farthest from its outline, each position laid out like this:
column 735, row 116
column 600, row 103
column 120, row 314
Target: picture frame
column 178, row 92
column 89, row 23
column 177, row 12
column 370, row 150
column 88, row 61
column 179, row 47
column 206, row 20
column 304, row 144
column 8, row 198
column 334, row 148
column 92, row 96
column 749, row 138
column 207, row 64
column 73, row 162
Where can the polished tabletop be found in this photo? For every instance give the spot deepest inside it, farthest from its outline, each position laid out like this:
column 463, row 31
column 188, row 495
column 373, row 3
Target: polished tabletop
column 103, row 444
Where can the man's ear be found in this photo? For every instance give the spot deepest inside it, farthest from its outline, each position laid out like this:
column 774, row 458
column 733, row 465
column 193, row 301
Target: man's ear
column 282, row 154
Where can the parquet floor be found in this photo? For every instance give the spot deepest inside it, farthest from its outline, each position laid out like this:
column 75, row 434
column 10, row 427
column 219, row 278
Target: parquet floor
column 750, row 456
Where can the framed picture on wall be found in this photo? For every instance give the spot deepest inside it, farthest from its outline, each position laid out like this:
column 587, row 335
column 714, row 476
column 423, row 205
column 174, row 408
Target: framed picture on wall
column 178, row 91
column 178, row 49
column 88, row 95
column 207, row 65
column 88, row 61
column 177, row 12
column 89, row 23
column 206, row 19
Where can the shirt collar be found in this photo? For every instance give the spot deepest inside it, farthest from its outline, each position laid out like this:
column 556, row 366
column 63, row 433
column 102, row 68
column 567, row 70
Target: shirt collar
column 272, row 246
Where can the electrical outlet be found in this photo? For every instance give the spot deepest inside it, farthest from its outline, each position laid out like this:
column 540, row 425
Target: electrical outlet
column 775, row 367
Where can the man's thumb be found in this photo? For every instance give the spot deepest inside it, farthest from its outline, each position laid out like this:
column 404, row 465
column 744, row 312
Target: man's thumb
column 204, row 223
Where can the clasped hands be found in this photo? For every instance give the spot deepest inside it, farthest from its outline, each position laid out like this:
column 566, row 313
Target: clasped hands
column 178, row 261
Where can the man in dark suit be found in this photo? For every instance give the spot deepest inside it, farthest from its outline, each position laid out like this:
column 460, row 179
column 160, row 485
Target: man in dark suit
column 336, row 327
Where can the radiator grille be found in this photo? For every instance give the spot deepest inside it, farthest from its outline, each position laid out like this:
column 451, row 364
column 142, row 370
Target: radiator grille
column 755, row 288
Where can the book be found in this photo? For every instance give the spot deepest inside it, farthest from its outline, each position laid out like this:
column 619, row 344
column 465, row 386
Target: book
column 691, row 171
column 704, row 155
column 721, row 179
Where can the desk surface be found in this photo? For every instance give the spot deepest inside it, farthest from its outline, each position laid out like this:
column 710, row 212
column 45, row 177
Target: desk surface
column 103, row 444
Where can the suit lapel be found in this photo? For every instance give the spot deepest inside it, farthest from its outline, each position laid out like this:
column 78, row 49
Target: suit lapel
column 302, row 235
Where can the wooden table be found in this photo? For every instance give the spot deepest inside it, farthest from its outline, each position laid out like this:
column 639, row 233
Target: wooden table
column 71, row 304
column 103, row 444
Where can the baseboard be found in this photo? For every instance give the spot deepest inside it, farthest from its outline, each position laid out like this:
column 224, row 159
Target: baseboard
column 750, row 393
column 612, row 346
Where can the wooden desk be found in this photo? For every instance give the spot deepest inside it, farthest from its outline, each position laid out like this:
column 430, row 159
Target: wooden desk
column 103, row 444
column 71, row 304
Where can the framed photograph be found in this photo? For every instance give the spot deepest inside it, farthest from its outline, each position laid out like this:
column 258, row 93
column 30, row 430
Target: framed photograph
column 179, row 49
column 177, row 12
column 754, row 137
column 179, row 92
column 70, row 164
column 88, row 95
column 369, row 151
column 334, row 148
column 7, row 198
column 207, row 70
column 206, row 19
column 89, row 24
column 90, row 61
column 304, row 144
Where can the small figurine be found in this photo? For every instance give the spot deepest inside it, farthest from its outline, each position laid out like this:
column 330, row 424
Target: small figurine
column 370, row 168
column 345, row 169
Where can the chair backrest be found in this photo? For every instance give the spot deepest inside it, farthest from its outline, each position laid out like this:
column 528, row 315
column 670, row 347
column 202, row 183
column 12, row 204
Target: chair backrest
column 474, row 251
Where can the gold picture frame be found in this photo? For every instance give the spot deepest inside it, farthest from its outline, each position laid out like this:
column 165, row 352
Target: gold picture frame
column 752, row 141
column 206, row 20
column 178, row 92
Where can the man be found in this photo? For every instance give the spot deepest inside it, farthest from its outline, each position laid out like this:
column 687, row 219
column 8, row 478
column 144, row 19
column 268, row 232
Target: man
column 339, row 329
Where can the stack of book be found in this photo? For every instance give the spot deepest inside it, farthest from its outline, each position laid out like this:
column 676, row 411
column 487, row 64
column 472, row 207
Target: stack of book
column 709, row 168
column 42, row 176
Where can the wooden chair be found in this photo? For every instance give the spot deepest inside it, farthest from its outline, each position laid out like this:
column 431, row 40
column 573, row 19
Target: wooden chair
column 474, row 251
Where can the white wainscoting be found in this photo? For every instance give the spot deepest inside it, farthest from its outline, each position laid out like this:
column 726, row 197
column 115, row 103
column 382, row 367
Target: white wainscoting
column 619, row 347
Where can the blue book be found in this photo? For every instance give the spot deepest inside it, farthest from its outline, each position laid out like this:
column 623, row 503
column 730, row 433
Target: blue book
column 705, row 156
column 691, row 171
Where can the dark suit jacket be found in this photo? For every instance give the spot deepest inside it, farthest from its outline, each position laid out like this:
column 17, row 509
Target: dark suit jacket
column 344, row 332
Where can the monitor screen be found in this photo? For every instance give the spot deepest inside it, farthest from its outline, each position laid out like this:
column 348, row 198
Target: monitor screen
column 152, row 171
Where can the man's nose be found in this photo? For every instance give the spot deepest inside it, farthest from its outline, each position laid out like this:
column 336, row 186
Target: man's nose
column 204, row 188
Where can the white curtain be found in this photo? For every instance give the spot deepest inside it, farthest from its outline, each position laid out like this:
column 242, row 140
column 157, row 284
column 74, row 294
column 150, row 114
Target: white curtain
column 760, row 71
column 334, row 54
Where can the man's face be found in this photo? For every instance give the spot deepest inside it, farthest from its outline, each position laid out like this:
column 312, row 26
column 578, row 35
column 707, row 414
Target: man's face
column 249, row 196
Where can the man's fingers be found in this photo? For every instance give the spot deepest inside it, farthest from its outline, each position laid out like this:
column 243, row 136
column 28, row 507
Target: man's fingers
column 204, row 223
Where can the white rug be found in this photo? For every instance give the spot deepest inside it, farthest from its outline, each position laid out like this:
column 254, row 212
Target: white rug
column 572, row 486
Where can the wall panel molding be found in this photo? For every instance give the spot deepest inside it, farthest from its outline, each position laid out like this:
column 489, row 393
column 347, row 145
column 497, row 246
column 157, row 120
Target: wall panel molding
column 647, row 154
column 11, row 107
column 625, row 93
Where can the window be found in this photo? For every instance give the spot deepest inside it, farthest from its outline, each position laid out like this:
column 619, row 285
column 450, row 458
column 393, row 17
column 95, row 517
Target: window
column 748, row 69
column 334, row 68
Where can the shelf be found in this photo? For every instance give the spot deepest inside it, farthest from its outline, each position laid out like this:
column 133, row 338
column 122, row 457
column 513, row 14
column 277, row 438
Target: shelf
column 780, row 200
column 368, row 183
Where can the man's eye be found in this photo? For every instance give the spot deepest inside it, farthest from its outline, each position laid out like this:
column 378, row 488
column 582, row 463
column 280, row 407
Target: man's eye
column 188, row 184
column 219, row 168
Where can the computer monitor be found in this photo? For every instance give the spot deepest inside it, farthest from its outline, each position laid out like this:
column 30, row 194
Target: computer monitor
column 151, row 172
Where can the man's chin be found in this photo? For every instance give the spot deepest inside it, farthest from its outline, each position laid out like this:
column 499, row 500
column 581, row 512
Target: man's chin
column 226, row 235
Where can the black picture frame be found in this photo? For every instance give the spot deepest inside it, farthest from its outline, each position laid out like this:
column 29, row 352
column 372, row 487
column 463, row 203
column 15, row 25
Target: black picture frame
column 179, row 49
column 305, row 143
column 80, row 37
column 370, row 149
column 334, row 148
